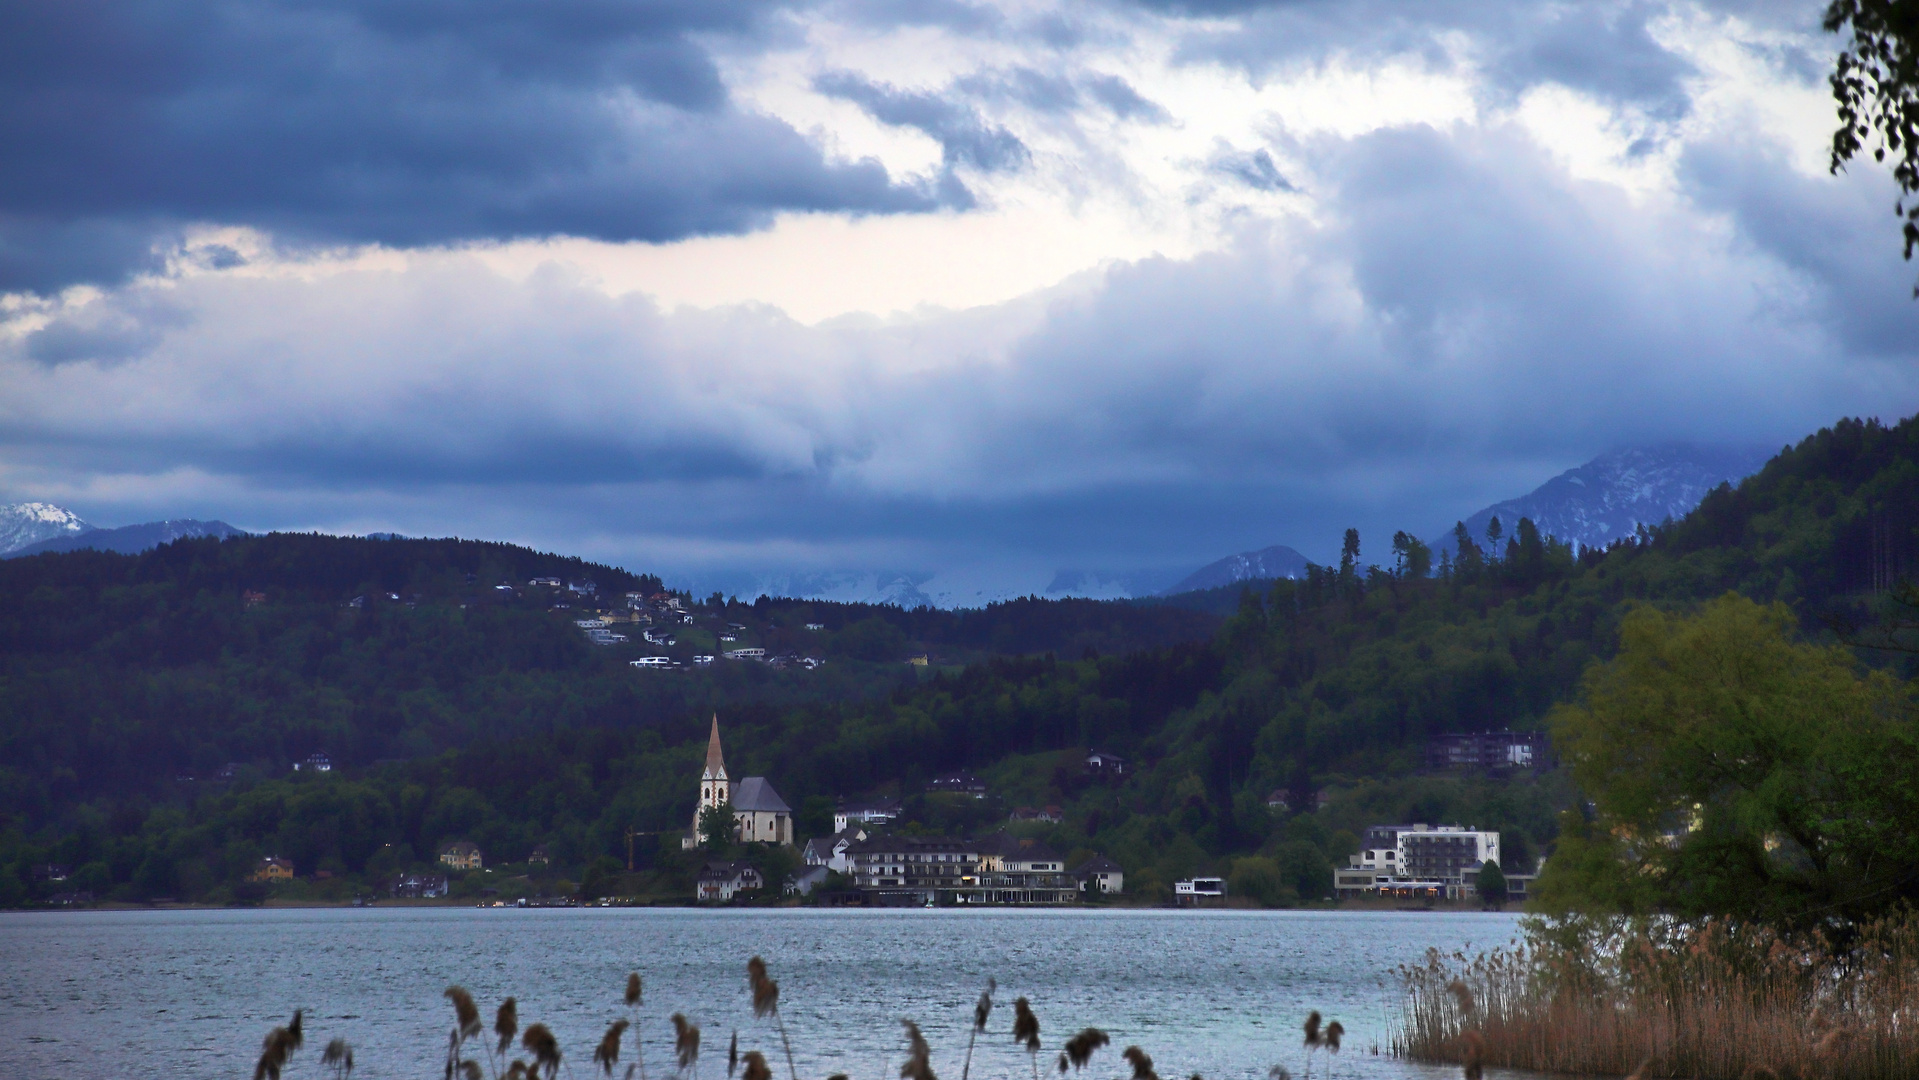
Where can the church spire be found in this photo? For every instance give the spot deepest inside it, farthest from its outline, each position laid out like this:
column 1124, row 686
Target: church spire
column 715, row 764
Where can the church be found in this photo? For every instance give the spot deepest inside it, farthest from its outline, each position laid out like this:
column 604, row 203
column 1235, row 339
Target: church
column 759, row 814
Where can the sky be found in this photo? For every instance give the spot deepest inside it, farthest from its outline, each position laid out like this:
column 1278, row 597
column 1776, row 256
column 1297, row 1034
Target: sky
column 971, row 292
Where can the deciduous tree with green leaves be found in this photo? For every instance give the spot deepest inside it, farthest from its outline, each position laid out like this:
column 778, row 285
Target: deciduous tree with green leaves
column 1734, row 770
column 1875, row 83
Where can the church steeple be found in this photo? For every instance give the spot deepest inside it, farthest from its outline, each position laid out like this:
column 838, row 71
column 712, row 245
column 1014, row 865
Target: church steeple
column 715, row 789
column 715, row 764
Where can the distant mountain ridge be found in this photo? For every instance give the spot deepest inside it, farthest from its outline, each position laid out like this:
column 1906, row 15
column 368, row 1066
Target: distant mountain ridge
column 1278, row 561
column 129, row 539
column 1613, row 494
column 23, row 525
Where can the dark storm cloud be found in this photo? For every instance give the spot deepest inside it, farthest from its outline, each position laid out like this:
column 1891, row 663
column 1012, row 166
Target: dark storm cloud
column 406, row 123
column 1461, row 320
column 1604, row 48
column 965, row 137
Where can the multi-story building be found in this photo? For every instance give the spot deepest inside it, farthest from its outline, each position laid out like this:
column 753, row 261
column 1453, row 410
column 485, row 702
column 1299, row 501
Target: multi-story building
column 1418, row 860
column 907, row 870
column 1020, row 870
column 1488, row 750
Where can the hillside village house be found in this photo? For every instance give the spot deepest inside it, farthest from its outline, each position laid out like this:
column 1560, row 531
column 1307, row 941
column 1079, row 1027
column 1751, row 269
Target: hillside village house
column 1101, row 875
column 880, row 812
column 463, row 855
column 759, row 814
column 725, row 880
column 829, row 852
column 419, row 886
column 272, row 869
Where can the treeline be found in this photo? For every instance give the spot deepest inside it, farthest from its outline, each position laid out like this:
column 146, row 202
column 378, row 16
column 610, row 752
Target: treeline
column 1332, row 683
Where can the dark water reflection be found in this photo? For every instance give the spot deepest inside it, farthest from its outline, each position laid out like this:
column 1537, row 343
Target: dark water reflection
column 191, row 993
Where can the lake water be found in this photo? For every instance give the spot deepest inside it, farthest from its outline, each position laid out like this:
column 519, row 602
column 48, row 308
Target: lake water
column 191, row 993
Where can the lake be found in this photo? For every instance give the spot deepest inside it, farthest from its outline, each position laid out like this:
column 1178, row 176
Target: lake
column 1221, row 993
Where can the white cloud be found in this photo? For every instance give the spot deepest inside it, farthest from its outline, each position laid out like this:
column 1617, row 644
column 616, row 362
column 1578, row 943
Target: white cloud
column 1128, row 357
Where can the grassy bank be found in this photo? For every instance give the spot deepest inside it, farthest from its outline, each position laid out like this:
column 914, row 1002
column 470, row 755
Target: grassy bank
column 1714, row 1001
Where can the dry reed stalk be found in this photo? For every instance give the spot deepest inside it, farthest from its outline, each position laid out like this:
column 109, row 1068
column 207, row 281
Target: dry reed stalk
column 632, row 998
column 766, row 999
column 919, row 1056
column 756, row 1067
column 1026, row 1031
column 1712, row 1000
column 686, row 1043
column 545, row 1049
column 1311, row 1028
column 982, row 1009
column 506, row 1023
column 1079, row 1049
column 338, row 1056
column 607, row 1054
column 1141, row 1063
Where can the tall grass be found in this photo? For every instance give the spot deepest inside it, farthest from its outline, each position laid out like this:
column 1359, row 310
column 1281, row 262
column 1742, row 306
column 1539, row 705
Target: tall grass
column 1714, row 1001
column 470, row 1055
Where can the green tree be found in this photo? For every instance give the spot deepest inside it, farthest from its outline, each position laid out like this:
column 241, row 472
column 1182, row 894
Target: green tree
column 718, row 826
column 1257, row 877
column 872, row 639
column 1491, row 884
column 1736, row 771
column 1875, row 84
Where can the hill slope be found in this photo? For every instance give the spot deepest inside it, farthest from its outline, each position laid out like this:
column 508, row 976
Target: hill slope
column 129, row 539
column 1331, row 681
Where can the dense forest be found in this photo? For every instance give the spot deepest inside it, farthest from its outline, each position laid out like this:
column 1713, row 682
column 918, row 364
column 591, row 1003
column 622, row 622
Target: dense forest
column 501, row 725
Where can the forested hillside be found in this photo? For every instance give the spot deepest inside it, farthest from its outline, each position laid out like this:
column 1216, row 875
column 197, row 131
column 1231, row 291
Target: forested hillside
column 1332, row 682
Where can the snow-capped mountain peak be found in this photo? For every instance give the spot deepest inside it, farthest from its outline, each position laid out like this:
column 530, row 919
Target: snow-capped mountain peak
column 1613, row 494
column 27, row 523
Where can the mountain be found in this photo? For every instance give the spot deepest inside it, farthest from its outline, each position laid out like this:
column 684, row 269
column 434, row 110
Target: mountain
column 1610, row 496
column 1266, row 564
column 25, row 524
column 1109, row 585
column 128, row 539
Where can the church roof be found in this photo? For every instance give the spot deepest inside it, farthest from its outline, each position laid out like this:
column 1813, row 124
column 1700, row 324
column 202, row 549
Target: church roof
column 715, row 764
column 754, row 793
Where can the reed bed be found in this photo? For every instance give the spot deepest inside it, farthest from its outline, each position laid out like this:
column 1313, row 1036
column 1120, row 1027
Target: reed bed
column 1712, row 1001
column 472, row 1055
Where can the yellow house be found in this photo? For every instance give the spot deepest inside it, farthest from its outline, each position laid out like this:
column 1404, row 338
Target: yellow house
column 464, row 855
column 272, row 868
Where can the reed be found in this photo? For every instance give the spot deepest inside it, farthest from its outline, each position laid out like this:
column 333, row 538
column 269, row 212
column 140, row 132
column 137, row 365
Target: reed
column 919, row 1056
column 1713, row 1000
column 982, row 1009
column 766, row 1000
column 1026, row 1031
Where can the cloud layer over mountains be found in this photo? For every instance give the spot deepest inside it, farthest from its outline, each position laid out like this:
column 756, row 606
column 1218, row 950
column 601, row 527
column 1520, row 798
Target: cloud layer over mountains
column 306, row 265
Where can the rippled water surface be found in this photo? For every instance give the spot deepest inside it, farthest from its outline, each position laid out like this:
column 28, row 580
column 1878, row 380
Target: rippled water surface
column 191, row 993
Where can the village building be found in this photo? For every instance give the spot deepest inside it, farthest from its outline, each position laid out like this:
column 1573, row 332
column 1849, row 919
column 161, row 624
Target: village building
column 958, row 783
column 462, row 855
column 272, row 869
column 759, row 814
column 725, row 880
column 1101, row 875
column 877, row 812
column 419, row 886
column 829, row 852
